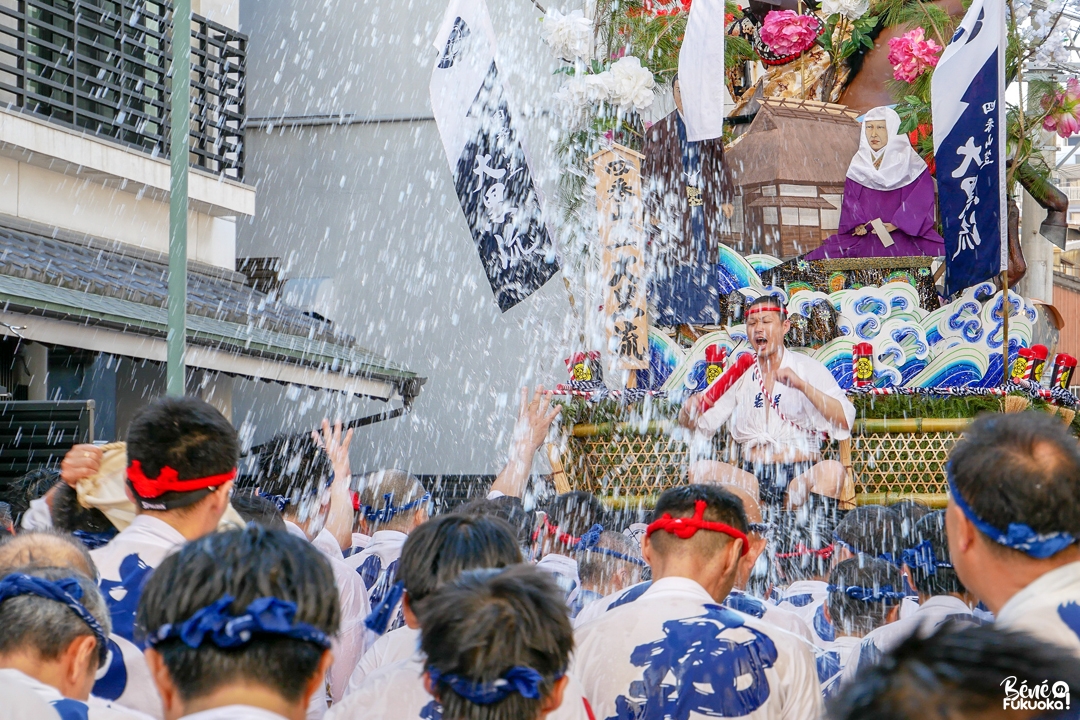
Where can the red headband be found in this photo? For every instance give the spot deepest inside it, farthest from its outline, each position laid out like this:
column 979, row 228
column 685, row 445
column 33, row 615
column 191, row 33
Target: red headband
column 168, row 480
column 556, row 532
column 802, row 551
column 763, row 307
column 685, row 528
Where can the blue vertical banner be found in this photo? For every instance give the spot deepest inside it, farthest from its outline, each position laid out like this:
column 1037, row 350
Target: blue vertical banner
column 967, row 95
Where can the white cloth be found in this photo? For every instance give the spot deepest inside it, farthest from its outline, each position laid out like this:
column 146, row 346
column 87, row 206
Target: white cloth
column 900, row 164
column 234, row 712
column 124, row 565
column 396, row 692
column 928, row 617
column 360, row 541
column 385, row 545
column 394, row 646
column 22, row 703
column 701, row 71
column 66, row 708
column 565, row 571
column 751, row 425
column 37, row 516
column 710, row 660
column 352, row 639
column 1048, row 608
column 806, row 598
column 832, row 663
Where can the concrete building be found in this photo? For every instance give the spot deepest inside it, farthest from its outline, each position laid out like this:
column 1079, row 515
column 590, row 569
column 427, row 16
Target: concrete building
column 84, row 220
column 357, row 202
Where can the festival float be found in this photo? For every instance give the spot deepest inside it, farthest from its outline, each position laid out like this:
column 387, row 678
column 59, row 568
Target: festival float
column 823, row 189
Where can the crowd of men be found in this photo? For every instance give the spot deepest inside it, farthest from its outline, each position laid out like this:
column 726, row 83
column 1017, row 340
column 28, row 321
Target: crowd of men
column 300, row 591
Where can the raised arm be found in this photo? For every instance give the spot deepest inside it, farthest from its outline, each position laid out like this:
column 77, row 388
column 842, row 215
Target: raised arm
column 339, row 518
column 530, row 431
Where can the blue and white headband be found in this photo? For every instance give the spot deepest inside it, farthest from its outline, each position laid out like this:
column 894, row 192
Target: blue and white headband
column 389, row 510
column 591, row 538
column 65, row 590
column 1018, row 537
column 519, row 679
column 883, row 593
column 216, row 625
column 922, row 557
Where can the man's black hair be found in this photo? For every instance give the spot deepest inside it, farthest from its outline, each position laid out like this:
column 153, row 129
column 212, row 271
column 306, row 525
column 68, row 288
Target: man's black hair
column 256, row 509
column 68, row 515
column 7, row 520
column 1020, row 468
column 954, row 675
column 508, row 508
column 485, row 623
column 30, row 486
column 855, row 616
column 720, row 506
column 770, row 299
column 186, row 434
column 910, row 512
column 246, row 564
column 943, row 580
column 803, row 552
column 574, row 512
column 597, row 568
column 874, row 530
column 294, row 467
column 442, row 548
column 45, row 548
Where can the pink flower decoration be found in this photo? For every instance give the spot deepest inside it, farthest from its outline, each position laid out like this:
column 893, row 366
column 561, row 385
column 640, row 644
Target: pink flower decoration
column 788, row 33
column 912, row 54
column 1064, row 117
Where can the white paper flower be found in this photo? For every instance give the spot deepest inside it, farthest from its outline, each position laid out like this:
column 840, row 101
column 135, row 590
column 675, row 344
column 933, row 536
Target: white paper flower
column 630, row 84
column 580, row 91
column 570, row 36
column 851, row 9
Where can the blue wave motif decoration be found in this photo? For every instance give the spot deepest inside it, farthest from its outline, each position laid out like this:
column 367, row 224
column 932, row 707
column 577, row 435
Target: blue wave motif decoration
column 734, row 273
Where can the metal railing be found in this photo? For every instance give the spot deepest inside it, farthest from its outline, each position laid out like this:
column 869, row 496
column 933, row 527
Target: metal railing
column 101, row 66
column 1073, row 191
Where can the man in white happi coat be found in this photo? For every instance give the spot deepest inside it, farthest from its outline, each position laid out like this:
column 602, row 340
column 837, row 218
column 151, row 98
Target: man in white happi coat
column 675, row 651
column 387, row 682
column 942, row 597
column 778, row 412
column 1013, row 521
column 55, row 637
column 238, row 626
column 309, row 478
column 392, row 503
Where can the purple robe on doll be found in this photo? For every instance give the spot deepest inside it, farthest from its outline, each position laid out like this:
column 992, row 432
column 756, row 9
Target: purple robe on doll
column 909, row 208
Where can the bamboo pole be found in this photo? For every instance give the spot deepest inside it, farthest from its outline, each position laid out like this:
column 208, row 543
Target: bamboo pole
column 1005, row 325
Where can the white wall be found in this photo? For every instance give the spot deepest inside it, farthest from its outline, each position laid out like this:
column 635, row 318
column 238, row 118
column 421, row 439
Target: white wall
column 373, row 206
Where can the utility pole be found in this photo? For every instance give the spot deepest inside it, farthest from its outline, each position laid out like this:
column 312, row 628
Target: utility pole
column 180, row 128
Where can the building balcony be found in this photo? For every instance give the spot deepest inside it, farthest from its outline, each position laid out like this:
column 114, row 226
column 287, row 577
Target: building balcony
column 101, row 66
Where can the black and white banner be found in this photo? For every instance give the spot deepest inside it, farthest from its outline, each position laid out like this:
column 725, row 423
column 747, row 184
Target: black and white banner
column 491, row 172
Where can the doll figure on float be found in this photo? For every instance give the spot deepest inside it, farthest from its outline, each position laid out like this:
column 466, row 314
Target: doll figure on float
column 888, row 205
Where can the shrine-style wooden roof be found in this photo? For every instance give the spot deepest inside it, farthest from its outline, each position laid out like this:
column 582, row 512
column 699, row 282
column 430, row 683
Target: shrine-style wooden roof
column 795, row 142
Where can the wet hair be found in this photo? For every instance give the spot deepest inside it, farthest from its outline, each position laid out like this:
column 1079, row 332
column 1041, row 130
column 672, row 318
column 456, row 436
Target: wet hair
column 31, row 486
column 295, row 468
column 720, row 506
column 873, row 530
column 46, row 548
column 574, row 512
column 402, row 488
column 68, row 515
column 508, row 508
column 910, row 512
column 596, row 568
column 49, row 626
column 944, row 580
column 953, row 675
column 855, row 616
column 246, row 564
column 1020, row 468
column 804, row 553
column 186, row 434
column 489, row 621
column 7, row 520
column 438, row 551
column 256, row 509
